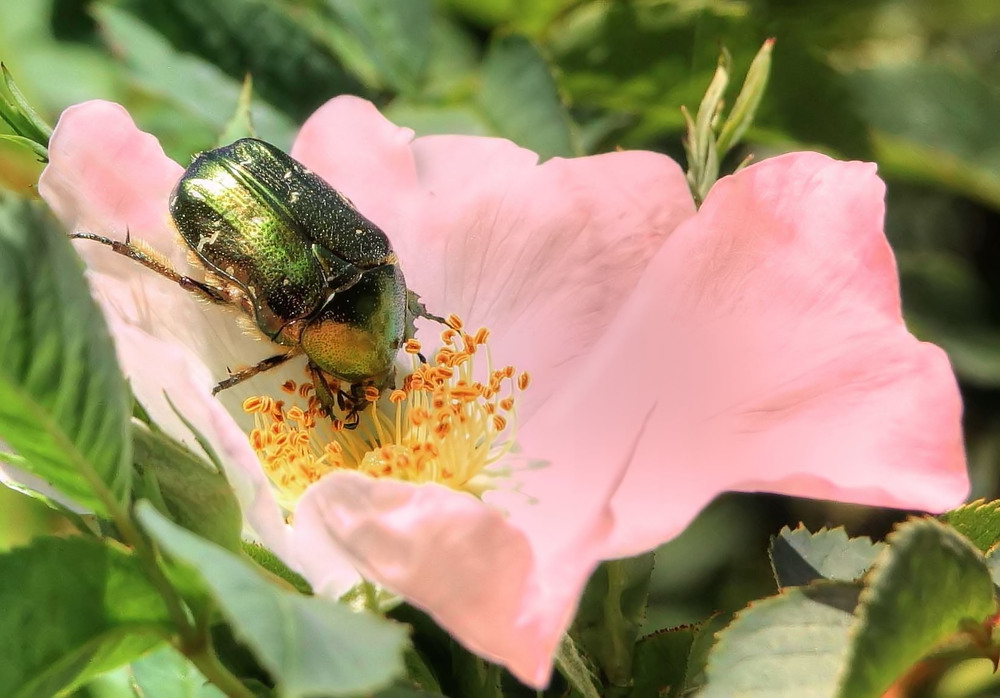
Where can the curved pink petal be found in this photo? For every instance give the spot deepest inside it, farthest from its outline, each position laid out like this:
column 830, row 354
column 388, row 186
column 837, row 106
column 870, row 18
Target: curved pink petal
column 161, row 373
column 106, row 177
column 363, row 155
column 447, row 553
column 541, row 254
column 764, row 349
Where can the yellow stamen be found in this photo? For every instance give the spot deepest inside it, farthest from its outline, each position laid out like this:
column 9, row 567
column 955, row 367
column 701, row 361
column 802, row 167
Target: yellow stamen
column 441, row 425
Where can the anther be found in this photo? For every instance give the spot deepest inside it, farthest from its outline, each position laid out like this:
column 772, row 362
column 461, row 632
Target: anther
column 453, row 321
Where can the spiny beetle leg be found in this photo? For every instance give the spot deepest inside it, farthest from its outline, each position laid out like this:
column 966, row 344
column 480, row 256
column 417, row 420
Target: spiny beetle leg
column 332, row 399
column 325, row 393
column 127, row 249
column 259, row 367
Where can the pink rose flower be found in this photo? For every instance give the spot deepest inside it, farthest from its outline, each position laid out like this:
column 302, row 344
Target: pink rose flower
column 756, row 344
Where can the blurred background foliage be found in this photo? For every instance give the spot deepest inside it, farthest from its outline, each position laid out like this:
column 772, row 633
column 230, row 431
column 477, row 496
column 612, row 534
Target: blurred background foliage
column 911, row 84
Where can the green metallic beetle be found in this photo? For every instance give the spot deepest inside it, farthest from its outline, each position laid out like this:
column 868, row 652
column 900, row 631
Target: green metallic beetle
column 294, row 254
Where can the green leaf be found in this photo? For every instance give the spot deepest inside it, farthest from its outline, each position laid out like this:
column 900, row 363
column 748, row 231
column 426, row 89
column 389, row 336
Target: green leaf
column 36, row 129
column 572, row 664
column 927, row 582
column 40, row 151
column 72, row 609
column 240, row 125
column 167, row 674
column 394, row 34
column 283, row 47
column 660, row 662
column 799, row 557
column 745, row 107
column 933, row 122
column 188, row 490
column 198, row 92
column 993, row 564
column 610, row 613
column 311, row 646
column 790, row 645
column 519, row 98
column 270, row 562
column 979, row 521
column 64, row 405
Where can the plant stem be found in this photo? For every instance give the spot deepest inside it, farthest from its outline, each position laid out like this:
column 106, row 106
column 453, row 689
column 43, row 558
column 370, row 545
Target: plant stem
column 194, row 640
column 215, row 671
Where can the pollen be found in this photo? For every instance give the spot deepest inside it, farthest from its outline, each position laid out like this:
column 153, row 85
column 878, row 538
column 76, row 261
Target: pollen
column 448, row 421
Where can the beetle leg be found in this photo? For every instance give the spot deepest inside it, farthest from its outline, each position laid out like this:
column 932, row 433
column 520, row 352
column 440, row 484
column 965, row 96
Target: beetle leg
column 150, row 261
column 332, row 399
column 325, row 393
column 259, row 367
column 415, row 308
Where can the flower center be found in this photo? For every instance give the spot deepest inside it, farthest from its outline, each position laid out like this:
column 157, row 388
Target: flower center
column 442, row 425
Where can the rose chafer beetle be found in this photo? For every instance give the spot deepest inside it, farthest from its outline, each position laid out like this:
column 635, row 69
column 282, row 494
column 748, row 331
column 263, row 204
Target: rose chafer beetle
column 295, row 256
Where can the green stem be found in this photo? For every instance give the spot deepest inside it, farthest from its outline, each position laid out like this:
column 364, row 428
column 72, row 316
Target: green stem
column 208, row 664
column 194, row 640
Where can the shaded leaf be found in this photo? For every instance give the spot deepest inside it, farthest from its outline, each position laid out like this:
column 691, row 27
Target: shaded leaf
column 799, row 557
column 190, row 491
column 610, row 613
column 926, row 582
column 934, row 122
column 394, row 34
column 519, row 99
column 793, row 644
column 199, row 93
column 72, row 609
column 64, row 405
column 167, row 674
column 311, row 645
column 292, row 66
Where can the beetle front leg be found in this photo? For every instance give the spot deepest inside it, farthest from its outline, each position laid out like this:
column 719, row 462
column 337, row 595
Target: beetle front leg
column 332, row 399
column 259, row 367
column 143, row 257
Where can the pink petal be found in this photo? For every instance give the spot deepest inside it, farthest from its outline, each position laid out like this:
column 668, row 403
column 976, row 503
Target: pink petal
column 541, row 254
column 764, row 350
column 161, row 373
column 452, row 556
column 363, row 155
column 107, row 177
